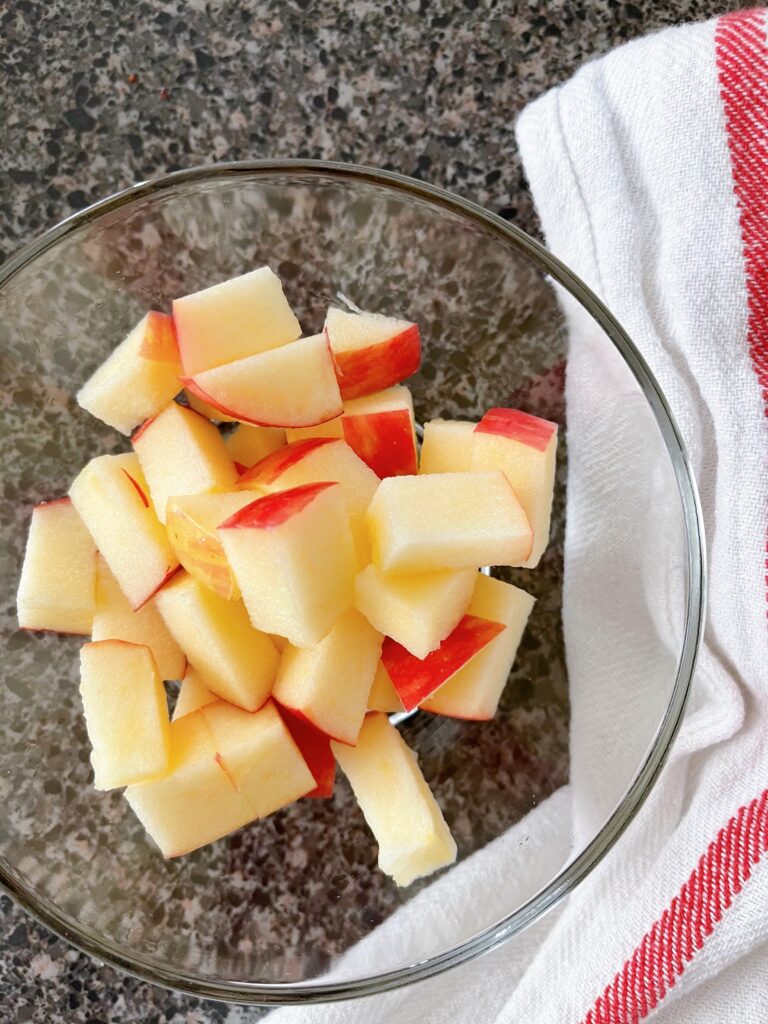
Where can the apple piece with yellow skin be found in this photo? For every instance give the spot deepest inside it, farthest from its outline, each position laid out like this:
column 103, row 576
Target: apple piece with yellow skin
column 372, row 352
column 447, row 446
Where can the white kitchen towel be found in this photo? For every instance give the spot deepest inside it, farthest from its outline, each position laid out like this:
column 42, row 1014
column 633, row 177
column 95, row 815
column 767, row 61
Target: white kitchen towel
column 650, row 172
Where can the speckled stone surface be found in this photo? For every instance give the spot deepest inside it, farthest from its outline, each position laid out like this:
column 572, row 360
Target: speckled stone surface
column 98, row 95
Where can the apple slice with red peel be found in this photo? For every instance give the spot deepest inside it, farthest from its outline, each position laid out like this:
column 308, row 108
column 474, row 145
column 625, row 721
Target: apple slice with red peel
column 232, row 320
column 416, row 679
column 214, row 415
column 193, row 694
column 383, row 695
column 138, row 379
column 248, row 445
column 372, row 352
column 524, row 447
column 315, row 748
column 291, row 386
column 447, row 446
column 293, row 558
column 56, row 589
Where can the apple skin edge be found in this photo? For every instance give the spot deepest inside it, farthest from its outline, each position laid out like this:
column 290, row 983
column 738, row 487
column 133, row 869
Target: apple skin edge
column 518, row 426
column 315, row 748
column 190, row 384
column 380, row 366
column 272, row 466
column 384, row 441
column 275, row 509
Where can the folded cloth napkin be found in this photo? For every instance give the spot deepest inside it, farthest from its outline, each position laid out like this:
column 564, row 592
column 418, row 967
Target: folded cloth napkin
column 650, row 172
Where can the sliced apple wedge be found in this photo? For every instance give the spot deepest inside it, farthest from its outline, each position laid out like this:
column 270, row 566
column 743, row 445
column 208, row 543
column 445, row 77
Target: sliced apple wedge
column 372, row 352
column 447, row 447
column 248, row 445
column 193, row 695
column 398, row 805
column 315, row 747
column 57, row 585
column 383, row 695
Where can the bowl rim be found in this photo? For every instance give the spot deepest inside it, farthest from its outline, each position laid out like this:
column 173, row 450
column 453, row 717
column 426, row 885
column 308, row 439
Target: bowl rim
column 574, row 872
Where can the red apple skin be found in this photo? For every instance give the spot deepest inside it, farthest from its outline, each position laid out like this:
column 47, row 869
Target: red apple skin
column 139, row 489
column 384, row 441
column 274, row 509
column 377, row 367
column 191, row 386
column 168, row 576
column 142, row 429
column 54, row 501
column 414, row 679
column 272, row 466
column 240, row 468
column 315, row 748
column 518, row 426
column 160, row 342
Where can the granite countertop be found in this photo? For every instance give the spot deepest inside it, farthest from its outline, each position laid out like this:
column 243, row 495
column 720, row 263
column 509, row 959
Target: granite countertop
column 99, row 95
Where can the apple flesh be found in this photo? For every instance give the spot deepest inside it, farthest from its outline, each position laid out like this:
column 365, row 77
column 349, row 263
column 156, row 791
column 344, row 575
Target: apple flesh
column 315, row 748
column 447, row 447
column 193, row 695
column 125, row 713
column 232, row 320
column 56, row 589
column 398, row 805
column 474, row 691
column 138, row 379
column 214, row 415
column 372, row 352
column 447, row 521
column 111, row 497
column 329, row 684
column 383, row 695
column 524, row 448
column 293, row 558
column 291, row 386
column 248, row 445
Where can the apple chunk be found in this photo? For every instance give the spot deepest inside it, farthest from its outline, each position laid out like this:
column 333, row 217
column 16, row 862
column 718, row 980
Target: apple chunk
column 125, row 713
column 329, row 684
column 294, row 561
column 447, row 447
column 56, row 589
column 111, row 497
column 315, row 748
column 138, row 379
column 447, row 521
column 291, row 386
column 237, row 318
column 398, row 805
column 474, row 691
column 235, row 661
column 248, row 445
column 372, row 352
column 193, row 695
column 524, row 448
column 383, row 695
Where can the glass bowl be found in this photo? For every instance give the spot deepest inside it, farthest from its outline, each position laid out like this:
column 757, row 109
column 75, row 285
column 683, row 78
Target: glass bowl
column 267, row 915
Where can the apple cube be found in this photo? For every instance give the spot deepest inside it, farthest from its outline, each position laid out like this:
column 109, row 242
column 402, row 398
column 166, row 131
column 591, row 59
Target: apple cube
column 235, row 661
column 237, row 318
column 329, row 684
column 56, row 589
column 214, row 415
column 291, row 386
column 474, row 691
column 524, row 448
column 383, row 695
column 415, row 679
column 191, row 523
column 111, row 497
column 138, row 379
column 294, row 561
column 126, row 713
column 447, row 521
column 447, row 447
column 114, row 619
column 315, row 747
column 193, row 695
column 372, row 352
column 196, row 801
column 248, row 445
column 181, row 453
column 418, row 610
column 398, row 805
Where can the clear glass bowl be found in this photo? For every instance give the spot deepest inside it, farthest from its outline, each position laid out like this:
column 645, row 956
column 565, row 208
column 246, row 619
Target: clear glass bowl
column 266, row 915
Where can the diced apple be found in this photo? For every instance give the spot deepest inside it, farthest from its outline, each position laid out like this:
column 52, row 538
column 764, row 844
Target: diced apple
column 447, row 447
column 232, row 320
column 372, row 352
column 196, row 801
column 181, row 453
column 398, row 805
column 447, row 521
column 235, row 661
column 56, row 589
column 214, row 415
column 474, row 691
column 329, row 684
column 193, row 695
column 416, row 679
column 294, row 561
column 191, row 523
column 418, row 610
column 138, row 379
column 126, row 713
column 112, row 498
column 114, row 619
column 248, row 445
column 315, row 748
column 291, row 386
column 524, row 447
column 383, row 695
